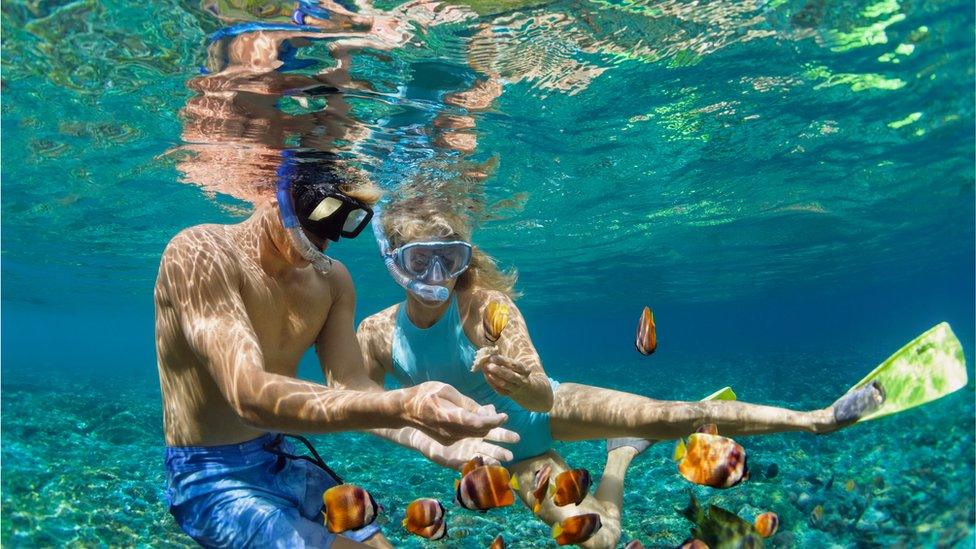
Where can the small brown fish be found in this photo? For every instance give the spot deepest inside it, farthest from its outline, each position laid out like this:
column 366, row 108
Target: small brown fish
column 635, row 544
column 348, row 507
column 767, row 524
column 711, row 460
column 495, row 320
column 694, row 544
column 646, row 341
column 576, row 529
column 425, row 518
column 817, row 514
column 485, row 487
column 497, row 543
column 570, row 487
column 540, row 486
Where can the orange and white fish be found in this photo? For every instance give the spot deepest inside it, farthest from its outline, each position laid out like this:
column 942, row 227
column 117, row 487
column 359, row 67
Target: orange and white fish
column 425, row 518
column 570, row 487
column 540, row 486
column 485, row 487
column 767, row 524
column 495, row 319
column 497, row 543
column 348, row 507
column 646, row 341
column 711, row 460
column 576, row 529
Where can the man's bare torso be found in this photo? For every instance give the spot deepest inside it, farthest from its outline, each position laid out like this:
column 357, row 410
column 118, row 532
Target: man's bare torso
column 287, row 313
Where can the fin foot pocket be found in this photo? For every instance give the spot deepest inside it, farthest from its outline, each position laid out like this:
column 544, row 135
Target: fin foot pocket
column 859, row 402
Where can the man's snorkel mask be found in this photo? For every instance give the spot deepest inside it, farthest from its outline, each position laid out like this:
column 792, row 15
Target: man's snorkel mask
column 309, row 198
column 419, row 266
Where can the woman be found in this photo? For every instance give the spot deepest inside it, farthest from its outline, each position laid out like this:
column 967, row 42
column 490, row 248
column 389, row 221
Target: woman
column 424, row 338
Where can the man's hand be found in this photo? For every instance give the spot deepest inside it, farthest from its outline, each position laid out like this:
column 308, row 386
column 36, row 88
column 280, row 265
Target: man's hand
column 505, row 375
column 447, row 416
column 459, row 453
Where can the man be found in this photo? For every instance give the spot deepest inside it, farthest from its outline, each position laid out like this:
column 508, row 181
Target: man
column 236, row 307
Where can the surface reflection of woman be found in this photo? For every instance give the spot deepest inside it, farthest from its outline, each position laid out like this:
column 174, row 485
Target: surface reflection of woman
column 423, row 339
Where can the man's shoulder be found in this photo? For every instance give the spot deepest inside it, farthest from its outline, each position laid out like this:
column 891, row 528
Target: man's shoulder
column 199, row 240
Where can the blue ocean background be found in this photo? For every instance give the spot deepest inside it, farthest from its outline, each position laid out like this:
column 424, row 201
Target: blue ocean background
column 789, row 185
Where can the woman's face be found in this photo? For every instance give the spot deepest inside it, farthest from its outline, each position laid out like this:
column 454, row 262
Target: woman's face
column 434, row 264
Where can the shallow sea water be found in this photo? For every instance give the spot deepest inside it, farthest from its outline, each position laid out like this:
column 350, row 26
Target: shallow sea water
column 89, row 472
column 788, row 184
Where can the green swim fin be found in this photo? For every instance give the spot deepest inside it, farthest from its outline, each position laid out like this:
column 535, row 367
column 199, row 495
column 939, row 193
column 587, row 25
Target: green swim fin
column 722, row 394
column 928, row 368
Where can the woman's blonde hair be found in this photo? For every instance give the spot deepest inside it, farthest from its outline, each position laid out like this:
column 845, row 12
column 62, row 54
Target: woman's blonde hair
column 424, row 218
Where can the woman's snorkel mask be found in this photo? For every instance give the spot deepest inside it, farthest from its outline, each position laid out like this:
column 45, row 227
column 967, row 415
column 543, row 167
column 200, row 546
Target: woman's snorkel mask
column 421, row 267
column 309, row 198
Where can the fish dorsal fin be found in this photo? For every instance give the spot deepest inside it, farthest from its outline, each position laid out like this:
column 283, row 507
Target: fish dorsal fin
column 474, row 462
column 680, row 450
column 556, row 530
column 708, row 428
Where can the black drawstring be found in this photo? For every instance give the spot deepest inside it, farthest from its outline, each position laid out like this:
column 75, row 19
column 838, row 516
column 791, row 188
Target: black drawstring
column 317, row 460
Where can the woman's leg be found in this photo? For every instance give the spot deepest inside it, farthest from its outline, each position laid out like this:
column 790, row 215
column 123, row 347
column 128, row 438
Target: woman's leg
column 582, row 412
column 608, row 534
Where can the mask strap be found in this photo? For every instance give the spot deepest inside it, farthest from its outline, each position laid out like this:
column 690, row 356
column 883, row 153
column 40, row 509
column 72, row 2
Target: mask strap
column 425, row 291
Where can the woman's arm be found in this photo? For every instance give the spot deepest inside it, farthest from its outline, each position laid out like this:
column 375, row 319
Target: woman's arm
column 513, row 368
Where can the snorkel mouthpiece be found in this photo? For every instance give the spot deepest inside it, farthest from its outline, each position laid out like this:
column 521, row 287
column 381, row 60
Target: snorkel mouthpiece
column 427, row 292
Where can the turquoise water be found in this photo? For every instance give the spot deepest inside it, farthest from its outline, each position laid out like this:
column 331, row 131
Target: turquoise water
column 790, row 186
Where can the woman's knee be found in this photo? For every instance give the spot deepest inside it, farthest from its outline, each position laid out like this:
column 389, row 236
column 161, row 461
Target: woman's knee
column 607, row 536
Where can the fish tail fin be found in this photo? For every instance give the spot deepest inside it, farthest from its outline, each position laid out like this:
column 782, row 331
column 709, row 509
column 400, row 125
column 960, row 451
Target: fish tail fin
column 680, row 450
column 514, row 483
column 556, row 530
column 536, row 506
column 456, row 483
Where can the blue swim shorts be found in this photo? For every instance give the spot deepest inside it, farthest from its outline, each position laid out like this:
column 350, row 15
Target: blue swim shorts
column 246, row 495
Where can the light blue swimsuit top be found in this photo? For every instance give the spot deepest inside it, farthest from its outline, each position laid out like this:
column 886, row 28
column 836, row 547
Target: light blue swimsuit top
column 444, row 353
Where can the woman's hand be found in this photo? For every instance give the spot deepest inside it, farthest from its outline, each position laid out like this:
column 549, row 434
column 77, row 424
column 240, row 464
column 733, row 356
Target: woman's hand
column 506, row 376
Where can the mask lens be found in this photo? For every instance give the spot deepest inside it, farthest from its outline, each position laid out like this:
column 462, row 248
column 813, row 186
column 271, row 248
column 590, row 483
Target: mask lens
column 453, row 258
column 326, row 208
column 416, row 260
column 353, row 220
